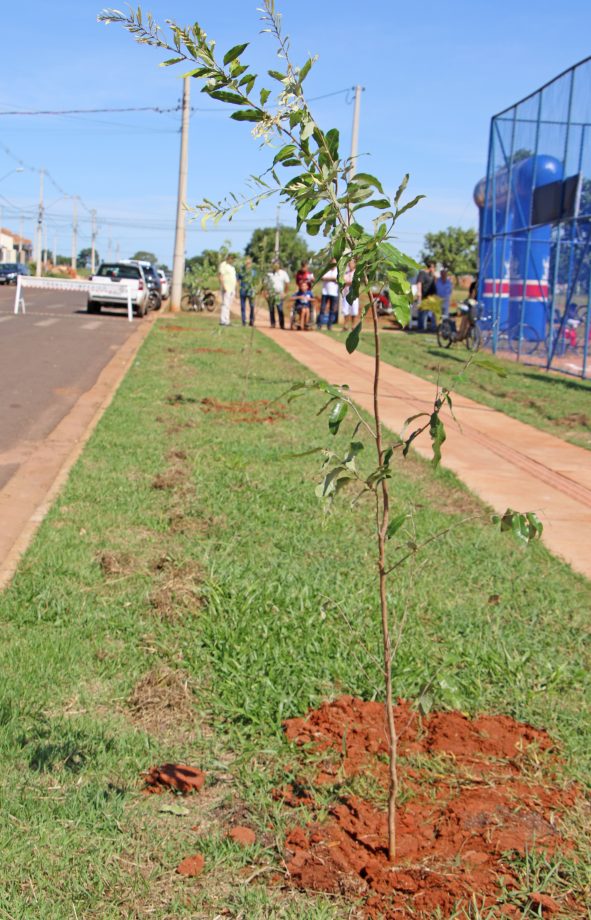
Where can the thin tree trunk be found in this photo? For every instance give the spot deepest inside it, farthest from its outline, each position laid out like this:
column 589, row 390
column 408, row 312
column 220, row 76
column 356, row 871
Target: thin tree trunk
column 383, row 515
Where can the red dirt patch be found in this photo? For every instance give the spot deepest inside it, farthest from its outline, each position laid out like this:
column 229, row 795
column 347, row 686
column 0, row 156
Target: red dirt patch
column 467, row 801
column 260, row 410
column 176, row 776
column 191, row 866
column 244, row 836
column 169, row 479
column 213, row 351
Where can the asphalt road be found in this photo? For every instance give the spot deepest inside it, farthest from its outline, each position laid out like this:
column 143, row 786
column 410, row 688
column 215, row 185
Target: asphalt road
column 49, row 356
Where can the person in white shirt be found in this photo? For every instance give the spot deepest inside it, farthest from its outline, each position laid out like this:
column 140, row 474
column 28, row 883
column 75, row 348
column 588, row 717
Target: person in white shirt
column 350, row 311
column 276, row 286
column 227, row 279
column 329, row 303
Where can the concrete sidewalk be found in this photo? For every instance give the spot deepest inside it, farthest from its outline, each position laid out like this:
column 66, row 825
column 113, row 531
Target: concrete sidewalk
column 505, row 462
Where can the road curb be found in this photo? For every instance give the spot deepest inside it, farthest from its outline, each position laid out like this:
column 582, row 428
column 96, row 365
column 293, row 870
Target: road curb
column 29, row 494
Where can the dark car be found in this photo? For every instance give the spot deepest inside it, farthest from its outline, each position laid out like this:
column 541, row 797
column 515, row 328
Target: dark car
column 152, row 280
column 8, row 273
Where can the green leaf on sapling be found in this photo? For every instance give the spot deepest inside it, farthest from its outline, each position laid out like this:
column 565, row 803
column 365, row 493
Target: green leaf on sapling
column 395, row 525
column 248, row 115
column 352, row 340
column 409, row 205
column 363, row 178
column 225, row 96
column 234, row 52
column 401, row 188
column 438, row 436
column 337, row 415
column 306, row 68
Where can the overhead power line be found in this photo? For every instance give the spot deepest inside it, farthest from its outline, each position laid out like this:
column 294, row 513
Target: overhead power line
column 144, row 108
column 158, row 110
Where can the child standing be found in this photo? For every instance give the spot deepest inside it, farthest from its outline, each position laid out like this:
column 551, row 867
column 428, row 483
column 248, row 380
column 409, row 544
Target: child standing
column 303, row 300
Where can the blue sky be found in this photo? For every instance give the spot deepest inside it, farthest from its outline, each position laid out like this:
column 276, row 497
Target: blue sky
column 433, row 75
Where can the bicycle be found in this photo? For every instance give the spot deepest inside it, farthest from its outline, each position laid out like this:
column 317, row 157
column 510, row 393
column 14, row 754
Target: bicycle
column 508, row 338
column 197, row 300
column 469, row 331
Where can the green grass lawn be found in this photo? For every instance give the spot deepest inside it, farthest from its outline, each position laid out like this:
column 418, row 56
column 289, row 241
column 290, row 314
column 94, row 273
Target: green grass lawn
column 555, row 403
column 187, row 593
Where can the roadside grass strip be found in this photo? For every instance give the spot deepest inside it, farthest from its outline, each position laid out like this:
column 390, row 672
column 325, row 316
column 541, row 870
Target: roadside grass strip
column 552, row 402
column 187, row 593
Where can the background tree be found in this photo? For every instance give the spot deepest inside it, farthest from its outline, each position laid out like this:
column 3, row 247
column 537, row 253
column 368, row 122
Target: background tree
column 84, row 257
column 203, row 268
column 142, row 255
column 292, row 248
column 455, row 248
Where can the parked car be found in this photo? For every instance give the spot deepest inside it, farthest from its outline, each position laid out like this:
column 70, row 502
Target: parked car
column 9, row 272
column 152, row 280
column 112, row 274
column 165, row 284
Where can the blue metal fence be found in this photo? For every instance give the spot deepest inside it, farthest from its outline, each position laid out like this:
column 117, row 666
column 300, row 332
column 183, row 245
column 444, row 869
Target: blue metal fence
column 535, row 225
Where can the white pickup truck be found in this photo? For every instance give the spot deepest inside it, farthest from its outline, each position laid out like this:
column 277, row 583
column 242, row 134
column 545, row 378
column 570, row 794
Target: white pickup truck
column 114, row 284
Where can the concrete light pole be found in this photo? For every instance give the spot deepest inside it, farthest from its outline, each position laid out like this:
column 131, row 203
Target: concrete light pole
column 39, row 234
column 21, row 230
column 355, row 132
column 277, row 233
column 74, row 254
column 178, row 263
column 93, row 243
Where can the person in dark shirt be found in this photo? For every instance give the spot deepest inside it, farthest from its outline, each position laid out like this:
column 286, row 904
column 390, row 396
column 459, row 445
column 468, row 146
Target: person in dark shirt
column 304, row 274
column 426, row 279
column 426, row 287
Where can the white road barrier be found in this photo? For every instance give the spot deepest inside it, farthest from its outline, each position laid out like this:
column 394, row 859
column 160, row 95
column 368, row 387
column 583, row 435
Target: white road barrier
column 66, row 284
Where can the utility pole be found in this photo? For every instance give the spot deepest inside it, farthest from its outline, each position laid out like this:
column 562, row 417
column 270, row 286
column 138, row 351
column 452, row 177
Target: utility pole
column 44, row 256
column 355, row 132
column 55, row 248
column 20, row 237
column 178, row 263
column 277, row 233
column 39, row 235
column 93, row 242
column 74, row 232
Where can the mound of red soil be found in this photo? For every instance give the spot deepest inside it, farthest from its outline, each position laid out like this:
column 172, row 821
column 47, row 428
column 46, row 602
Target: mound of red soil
column 244, row 836
column 213, row 351
column 191, row 866
column 176, row 776
column 468, row 798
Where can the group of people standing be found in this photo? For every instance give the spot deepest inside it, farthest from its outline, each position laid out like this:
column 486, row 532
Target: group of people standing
column 275, row 286
column 430, row 284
